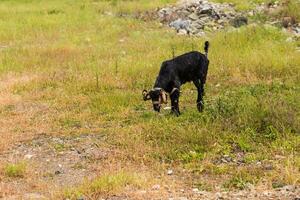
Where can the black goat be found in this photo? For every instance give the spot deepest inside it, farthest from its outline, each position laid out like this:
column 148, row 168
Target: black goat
column 173, row 73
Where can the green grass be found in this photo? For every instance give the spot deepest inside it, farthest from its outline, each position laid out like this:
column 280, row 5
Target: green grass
column 291, row 8
column 252, row 92
column 15, row 170
column 105, row 185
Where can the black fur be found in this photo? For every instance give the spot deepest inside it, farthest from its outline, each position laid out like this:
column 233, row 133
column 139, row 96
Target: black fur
column 188, row 67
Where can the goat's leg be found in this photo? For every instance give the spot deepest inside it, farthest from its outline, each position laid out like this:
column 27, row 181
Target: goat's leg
column 175, row 102
column 200, row 88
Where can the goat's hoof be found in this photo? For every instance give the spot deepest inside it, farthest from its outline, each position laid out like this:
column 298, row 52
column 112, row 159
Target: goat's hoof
column 176, row 112
column 200, row 106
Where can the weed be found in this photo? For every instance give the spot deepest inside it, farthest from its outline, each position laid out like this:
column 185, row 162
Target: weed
column 108, row 184
column 242, row 178
column 17, row 170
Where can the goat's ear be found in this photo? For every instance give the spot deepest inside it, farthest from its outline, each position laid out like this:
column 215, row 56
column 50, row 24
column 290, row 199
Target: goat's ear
column 146, row 95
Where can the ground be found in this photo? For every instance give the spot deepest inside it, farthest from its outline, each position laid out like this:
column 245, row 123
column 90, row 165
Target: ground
column 74, row 126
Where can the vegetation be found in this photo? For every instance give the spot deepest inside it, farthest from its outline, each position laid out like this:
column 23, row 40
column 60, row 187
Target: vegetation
column 83, row 65
column 15, row 170
column 105, row 185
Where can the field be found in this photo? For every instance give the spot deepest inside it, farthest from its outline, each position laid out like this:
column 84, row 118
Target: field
column 72, row 75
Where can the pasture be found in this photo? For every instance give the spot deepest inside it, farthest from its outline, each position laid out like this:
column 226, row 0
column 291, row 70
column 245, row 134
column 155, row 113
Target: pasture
column 75, row 71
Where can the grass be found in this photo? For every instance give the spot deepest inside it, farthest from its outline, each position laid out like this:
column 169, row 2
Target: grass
column 62, row 57
column 291, row 8
column 103, row 186
column 15, row 170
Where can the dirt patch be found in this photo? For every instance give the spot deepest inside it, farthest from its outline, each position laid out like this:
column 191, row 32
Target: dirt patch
column 53, row 163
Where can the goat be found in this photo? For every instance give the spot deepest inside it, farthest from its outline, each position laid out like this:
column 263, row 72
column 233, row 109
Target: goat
column 173, row 73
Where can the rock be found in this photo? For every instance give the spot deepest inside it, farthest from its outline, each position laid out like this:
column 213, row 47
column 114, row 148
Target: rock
column 239, row 21
column 156, row 187
column 193, row 16
column 195, row 190
column 279, row 157
column 180, row 24
column 57, row 172
column 268, row 167
column 296, row 30
column 289, row 188
column 251, row 13
column 249, row 186
column 207, row 9
column 170, row 172
column 197, row 16
column 219, row 195
column 182, row 32
column 287, row 22
column 28, row 156
column 164, row 11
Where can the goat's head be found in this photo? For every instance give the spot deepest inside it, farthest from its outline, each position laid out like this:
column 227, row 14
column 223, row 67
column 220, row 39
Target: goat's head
column 158, row 97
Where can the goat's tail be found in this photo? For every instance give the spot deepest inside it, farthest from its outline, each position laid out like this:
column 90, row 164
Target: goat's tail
column 206, row 46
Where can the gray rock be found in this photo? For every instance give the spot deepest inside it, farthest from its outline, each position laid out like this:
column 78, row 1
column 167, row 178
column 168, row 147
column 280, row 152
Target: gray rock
column 180, row 24
column 207, row 9
column 193, row 16
column 296, row 29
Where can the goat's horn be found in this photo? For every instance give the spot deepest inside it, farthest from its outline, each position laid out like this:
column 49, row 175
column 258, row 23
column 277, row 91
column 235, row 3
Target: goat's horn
column 164, row 97
column 145, row 95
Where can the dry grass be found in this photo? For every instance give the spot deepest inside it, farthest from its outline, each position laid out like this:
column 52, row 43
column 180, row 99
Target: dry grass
column 80, row 68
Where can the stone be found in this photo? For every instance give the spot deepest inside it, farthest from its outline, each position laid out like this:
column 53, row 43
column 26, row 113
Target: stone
column 182, row 32
column 180, row 24
column 28, row 156
column 193, row 16
column 170, row 172
column 287, row 21
column 156, row 187
column 195, row 190
column 201, row 16
column 289, row 188
column 57, row 172
column 207, row 9
column 279, row 157
column 268, row 167
column 239, row 21
column 297, row 29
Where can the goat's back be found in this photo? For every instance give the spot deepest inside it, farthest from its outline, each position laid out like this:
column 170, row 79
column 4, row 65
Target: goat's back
column 188, row 67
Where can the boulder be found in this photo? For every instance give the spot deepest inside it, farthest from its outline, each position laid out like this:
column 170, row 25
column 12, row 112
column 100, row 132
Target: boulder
column 239, row 21
column 180, row 24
